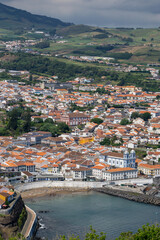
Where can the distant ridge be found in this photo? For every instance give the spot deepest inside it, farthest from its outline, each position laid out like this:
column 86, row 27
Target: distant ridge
column 13, row 18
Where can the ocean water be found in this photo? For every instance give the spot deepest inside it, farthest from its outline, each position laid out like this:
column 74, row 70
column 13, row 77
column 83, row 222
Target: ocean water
column 75, row 213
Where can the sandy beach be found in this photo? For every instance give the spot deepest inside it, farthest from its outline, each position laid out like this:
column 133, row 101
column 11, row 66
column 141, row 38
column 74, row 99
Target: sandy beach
column 48, row 191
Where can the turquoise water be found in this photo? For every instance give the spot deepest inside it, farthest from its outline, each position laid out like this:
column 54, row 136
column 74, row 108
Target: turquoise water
column 74, row 213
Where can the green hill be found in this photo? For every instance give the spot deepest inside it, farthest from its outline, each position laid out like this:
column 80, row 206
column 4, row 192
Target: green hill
column 16, row 19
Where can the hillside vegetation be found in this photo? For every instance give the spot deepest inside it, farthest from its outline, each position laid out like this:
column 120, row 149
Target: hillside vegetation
column 15, row 19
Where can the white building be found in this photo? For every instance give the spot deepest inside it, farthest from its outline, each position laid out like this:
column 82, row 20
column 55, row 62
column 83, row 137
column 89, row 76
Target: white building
column 97, row 171
column 81, row 173
column 120, row 160
column 150, row 170
column 119, row 174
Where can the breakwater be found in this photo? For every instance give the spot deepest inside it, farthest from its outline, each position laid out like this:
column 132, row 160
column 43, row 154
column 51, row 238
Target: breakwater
column 133, row 196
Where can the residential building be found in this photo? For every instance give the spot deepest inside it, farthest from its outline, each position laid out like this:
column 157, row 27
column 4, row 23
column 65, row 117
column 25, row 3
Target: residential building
column 120, row 174
column 150, row 170
column 81, row 173
column 75, row 119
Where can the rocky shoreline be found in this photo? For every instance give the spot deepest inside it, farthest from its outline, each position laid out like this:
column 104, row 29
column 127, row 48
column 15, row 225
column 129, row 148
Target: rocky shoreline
column 132, row 196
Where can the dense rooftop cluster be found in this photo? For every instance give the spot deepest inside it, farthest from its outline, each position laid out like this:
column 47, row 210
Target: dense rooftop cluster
column 91, row 149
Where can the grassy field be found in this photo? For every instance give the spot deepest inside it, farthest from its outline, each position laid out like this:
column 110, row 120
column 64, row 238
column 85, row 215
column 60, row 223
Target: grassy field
column 143, row 44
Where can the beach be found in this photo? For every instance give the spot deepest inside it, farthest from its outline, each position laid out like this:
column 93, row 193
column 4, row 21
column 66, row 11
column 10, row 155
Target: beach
column 49, row 191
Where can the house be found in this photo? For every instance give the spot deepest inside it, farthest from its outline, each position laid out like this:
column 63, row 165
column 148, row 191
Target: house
column 81, row 173
column 33, row 137
column 75, row 119
column 97, row 171
column 18, row 166
column 30, row 167
column 139, row 121
column 4, row 196
column 120, row 173
column 9, row 166
column 53, row 140
column 27, row 176
column 53, row 168
column 150, row 170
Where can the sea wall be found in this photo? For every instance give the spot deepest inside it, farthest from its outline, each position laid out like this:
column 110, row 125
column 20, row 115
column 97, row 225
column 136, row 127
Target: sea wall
column 133, row 196
column 9, row 217
column 29, row 235
column 135, row 181
column 58, row 184
column 156, row 180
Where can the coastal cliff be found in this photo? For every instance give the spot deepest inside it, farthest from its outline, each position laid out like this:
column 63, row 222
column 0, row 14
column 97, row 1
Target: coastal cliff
column 11, row 219
column 133, row 196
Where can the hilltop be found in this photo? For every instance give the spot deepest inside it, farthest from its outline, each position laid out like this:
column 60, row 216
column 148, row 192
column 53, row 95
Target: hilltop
column 15, row 19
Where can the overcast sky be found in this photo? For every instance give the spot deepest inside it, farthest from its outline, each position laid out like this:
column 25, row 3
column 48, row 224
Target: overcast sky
column 109, row 13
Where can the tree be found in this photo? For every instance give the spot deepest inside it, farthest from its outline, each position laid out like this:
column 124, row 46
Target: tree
column 55, row 128
column 124, row 121
column 158, row 97
column 102, row 91
column 92, row 235
column 122, row 82
column 49, row 120
column 145, row 233
column 30, row 79
column 63, row 127
column 46, row 127
column 2, row 131
column 106, row 141
column 13, row 119
column 145, row 116
column 38, row 120
column 97, row 120
column 44, row 44
column 18, row 121
column 135, row 115
column 26, row 116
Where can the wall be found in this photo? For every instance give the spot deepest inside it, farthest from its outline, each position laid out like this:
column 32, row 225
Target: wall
column 9, row 217
column 33, row 225
column 135, row 181
column 12, row 205
column 60, row 184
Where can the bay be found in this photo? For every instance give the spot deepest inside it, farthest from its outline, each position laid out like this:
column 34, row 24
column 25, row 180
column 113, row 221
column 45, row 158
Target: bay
column 75, row 213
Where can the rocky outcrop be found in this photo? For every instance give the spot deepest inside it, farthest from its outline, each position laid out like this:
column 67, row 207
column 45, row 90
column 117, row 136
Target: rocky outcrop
column 9, row 217
column 133, row 196
column 12, row 217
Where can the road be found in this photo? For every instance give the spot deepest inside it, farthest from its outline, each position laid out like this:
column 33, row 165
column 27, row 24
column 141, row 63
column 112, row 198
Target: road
column 29, row 222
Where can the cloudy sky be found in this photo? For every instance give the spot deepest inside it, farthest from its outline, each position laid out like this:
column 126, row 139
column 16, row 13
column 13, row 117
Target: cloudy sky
column 109, row 13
